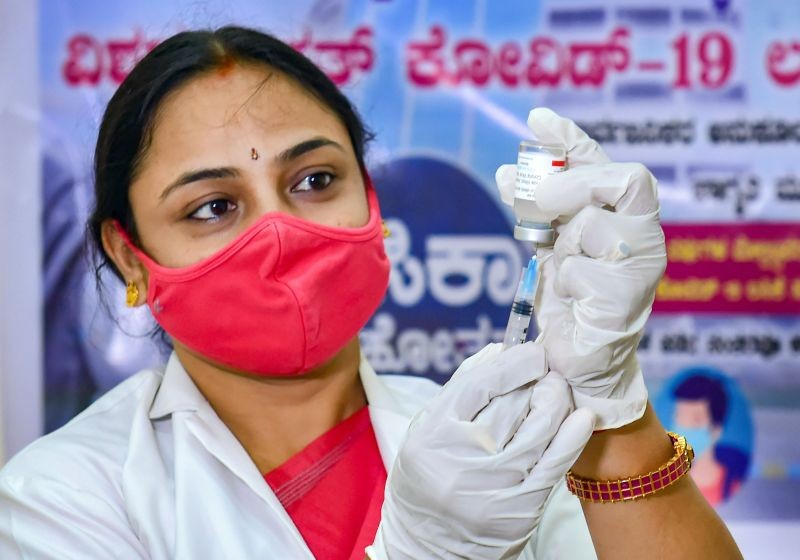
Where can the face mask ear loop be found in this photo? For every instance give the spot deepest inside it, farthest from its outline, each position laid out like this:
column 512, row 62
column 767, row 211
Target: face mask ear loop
column 372, row 196
column 147, row 261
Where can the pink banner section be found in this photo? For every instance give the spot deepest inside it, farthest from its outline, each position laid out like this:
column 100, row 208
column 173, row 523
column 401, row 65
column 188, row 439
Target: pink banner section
column 731, row 268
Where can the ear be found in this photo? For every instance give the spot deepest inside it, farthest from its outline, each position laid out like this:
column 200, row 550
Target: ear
column 716, row 432
column 124, row 259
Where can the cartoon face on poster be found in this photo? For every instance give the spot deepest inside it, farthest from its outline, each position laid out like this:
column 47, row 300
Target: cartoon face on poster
column 706, row 406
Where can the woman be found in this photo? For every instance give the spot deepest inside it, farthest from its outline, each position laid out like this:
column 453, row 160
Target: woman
column 232, row 199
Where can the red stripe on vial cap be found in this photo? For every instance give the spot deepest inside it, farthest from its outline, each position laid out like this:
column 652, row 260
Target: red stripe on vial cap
column 558, row 163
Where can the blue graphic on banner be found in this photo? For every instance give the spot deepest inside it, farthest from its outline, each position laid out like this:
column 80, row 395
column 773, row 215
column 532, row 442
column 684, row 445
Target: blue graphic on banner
column 455, row 269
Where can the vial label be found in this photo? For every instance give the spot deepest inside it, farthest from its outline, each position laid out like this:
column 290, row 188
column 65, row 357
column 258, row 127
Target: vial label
column 532, row 167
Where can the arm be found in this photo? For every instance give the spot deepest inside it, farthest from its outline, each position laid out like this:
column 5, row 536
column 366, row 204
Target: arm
column 46, row 519
column 674, row 523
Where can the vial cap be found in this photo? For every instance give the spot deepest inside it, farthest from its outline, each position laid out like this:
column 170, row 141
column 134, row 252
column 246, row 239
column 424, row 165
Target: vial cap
column 541, row 236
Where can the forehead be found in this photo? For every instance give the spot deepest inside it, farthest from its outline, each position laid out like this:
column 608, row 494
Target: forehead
column 246, row 102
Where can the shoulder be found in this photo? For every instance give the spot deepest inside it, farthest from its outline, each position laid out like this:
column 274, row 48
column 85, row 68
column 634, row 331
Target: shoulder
column 90, row 450
column 76, row 473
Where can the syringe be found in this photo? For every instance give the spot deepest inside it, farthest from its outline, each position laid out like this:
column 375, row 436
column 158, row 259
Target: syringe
column 522, row 308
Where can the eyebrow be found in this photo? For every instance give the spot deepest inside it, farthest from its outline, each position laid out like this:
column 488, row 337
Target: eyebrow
column 199, row 175
column 231, row 172
column 306, row 146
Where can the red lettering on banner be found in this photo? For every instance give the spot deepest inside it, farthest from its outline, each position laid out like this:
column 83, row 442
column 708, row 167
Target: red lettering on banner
column 341, row 60
column 474, row 62
column 548, row 63
column 425, row 65
column 508, row 59
column 589, row 62
column 782, row 69
column 90, row 60
column 548, row 60
column 84, row 64
column 124, row 54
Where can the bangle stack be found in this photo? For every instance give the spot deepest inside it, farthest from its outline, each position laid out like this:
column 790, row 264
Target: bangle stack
column 637, row 487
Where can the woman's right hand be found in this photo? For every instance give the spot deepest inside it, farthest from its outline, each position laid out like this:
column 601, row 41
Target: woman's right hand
column 478, row 463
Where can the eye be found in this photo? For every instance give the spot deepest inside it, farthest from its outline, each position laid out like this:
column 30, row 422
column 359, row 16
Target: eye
column 314, row 182
column 212, row 210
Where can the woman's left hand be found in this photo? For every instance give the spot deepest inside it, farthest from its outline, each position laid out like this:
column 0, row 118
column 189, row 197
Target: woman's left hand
column 598, row 281
column 478, row 463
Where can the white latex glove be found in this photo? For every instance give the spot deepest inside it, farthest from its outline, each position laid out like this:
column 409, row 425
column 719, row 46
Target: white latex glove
column 598, row 281
column 478, row 463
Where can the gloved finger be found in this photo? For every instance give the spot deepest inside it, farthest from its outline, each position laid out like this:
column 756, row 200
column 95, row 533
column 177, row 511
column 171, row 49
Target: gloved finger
column 484, row 354
column 503, row 416
column 549, row 128
column 633, row 245
column 550, row 404
column 463, row 397
column 600, row 234
column 629, row 188
column 593, row 232
column 506, row 179
column 563, row 451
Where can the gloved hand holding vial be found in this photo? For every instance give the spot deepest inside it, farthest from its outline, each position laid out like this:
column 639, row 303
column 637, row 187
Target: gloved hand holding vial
column 597, row 280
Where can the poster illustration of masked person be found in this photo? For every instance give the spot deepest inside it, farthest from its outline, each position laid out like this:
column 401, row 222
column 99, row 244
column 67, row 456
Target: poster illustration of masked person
column 708, row 408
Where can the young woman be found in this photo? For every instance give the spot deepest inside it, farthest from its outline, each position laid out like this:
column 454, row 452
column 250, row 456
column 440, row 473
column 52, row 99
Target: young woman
column 233, row 200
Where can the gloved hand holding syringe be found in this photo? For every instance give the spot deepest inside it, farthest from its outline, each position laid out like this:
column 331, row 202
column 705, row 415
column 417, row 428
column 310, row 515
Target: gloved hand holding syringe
column 534, row 163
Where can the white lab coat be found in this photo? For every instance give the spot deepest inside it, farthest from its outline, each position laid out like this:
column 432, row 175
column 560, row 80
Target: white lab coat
column 150, row 471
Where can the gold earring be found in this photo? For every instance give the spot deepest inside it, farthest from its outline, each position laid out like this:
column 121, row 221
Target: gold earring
column 386, row 231
column 131, row 294
column 253, row 153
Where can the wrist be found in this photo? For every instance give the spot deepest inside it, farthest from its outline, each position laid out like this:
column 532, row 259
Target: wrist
column 620, row 401
column 633, row 449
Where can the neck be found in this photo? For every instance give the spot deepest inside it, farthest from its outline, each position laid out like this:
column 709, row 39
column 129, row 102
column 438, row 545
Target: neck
column 275, row 417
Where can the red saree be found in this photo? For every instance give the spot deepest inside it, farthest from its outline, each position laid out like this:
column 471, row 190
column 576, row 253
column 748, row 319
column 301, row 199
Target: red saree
column 333, row 489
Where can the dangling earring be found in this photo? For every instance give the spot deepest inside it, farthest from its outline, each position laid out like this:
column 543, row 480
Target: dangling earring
column 131, row 294
column 386, row 231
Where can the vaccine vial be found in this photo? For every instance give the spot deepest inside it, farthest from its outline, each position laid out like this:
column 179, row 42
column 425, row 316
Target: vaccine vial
column 534, row 163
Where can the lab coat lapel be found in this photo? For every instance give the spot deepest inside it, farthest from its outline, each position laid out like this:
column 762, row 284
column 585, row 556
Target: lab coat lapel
column 390, row 419
column 180, row 397
column 211, row 467
column 245, row 519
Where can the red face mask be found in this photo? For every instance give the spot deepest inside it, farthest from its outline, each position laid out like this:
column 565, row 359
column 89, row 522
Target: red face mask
column 281, row 299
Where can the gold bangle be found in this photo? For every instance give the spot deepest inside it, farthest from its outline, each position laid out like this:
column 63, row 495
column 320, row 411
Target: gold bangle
column 636, row 487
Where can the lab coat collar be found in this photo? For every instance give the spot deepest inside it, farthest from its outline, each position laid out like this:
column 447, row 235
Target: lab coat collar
column 390, row 418
column 177, row 392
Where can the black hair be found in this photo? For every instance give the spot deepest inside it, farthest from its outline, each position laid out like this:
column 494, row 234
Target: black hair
column 700, row 386
column 127, row 125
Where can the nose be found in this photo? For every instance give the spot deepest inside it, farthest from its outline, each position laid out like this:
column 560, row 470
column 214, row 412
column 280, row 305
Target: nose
column 267, row 196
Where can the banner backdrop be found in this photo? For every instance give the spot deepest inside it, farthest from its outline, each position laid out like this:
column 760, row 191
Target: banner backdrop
column 705, row 93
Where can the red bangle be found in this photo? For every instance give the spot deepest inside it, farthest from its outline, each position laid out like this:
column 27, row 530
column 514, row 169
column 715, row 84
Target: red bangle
column 637, row 487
